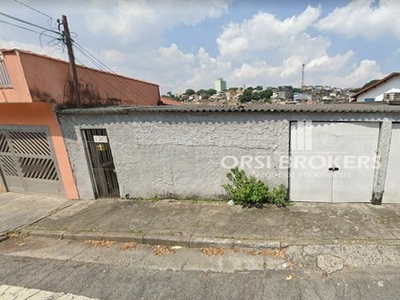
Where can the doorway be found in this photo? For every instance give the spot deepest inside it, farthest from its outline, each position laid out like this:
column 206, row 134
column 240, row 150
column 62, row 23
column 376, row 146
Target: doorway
column 101, row 163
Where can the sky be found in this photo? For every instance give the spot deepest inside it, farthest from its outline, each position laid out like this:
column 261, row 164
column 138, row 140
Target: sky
column 182, row 44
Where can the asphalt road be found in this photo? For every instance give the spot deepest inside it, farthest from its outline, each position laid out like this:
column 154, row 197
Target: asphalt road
column 112, row 273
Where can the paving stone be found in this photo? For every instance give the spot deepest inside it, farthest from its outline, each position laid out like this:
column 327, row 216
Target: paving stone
column 329, row 263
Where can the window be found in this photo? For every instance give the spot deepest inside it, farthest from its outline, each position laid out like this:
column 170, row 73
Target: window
column 4, row 77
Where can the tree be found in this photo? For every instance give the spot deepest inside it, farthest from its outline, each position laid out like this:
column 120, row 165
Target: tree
column 201, row 92
column 190, row 92
column 211, row 92
column 266, row 94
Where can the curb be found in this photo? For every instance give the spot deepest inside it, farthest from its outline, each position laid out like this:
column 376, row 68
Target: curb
column 200, row 242
column 3, row 237
column 157, row 239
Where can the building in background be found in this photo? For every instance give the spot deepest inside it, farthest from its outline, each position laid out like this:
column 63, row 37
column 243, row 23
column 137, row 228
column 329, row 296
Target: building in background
column 376, row 91
column 220, row 85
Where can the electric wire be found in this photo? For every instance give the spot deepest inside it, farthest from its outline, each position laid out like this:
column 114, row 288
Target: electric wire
column 61, row 38
column 99, row 65
column 29, row 23
column 105, row 81
column 28, row 29
column 77, row 45
column 36, row 10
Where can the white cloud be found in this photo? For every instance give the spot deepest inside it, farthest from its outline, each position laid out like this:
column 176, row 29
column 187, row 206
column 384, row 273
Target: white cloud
column 263, row 31
column 364, row 18
column 364, row 72
column 331, row 63
column 139, row 20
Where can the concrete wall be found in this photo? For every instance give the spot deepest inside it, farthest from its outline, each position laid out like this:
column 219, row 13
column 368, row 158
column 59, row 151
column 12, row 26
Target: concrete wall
column 181, row 154
column 378, row 91
column 40, row 78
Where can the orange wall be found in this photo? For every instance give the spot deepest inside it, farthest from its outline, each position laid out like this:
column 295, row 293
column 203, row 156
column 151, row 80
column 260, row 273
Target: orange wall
column 48, row 81
column 42, row 114
column 19, row 91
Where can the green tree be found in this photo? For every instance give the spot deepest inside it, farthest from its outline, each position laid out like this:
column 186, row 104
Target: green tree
column 190, row 92
column 211, row 92
column 266, row 94
column 201, row 92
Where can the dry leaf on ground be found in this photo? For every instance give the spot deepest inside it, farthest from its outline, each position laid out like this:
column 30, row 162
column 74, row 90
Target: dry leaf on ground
column 127, row 246
column 99, row 243
column 253, row 252
column 14, row 234
column 213, row 251
column 277, row 253
column 162, row 250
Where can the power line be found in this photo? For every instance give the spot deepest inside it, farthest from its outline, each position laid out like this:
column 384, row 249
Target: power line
column 36, row 10
column 29, row 23
column 61, row 37
column 28, row 29
column 98, row 63
column 103, row 81
column 95, row 58
column 136, row 93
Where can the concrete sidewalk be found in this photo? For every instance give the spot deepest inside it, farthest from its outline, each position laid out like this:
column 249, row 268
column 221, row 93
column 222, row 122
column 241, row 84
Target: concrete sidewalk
column 207, row 224
column 18, row 210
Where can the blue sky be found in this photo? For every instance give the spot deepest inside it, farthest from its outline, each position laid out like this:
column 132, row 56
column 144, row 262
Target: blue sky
column 182, row 44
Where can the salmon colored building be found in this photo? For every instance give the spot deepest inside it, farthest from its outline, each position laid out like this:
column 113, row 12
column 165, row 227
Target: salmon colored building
column 33, row 156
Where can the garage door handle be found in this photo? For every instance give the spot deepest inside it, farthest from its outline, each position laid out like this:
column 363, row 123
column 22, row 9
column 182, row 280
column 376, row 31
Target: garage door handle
column 333, row 169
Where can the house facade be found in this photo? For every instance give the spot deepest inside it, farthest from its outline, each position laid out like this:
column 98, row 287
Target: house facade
column 321, row 153
column 376, row 91
column 33, row 155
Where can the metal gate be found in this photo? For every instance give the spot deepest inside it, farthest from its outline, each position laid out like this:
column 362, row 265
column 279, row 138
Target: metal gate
column 27, row 161
column 102, row 163
column 333, row 161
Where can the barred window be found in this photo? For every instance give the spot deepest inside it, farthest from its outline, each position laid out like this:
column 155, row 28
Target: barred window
column 4, row 77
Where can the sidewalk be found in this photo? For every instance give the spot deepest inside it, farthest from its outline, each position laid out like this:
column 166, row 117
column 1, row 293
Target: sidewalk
column 17, row 210
column 216, row 224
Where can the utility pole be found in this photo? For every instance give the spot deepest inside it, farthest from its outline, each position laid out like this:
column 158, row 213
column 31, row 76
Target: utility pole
column 302, row 75
column 74, row 75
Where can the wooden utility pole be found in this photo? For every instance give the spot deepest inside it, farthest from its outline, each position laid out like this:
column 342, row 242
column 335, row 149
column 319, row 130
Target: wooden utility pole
column 74, row 75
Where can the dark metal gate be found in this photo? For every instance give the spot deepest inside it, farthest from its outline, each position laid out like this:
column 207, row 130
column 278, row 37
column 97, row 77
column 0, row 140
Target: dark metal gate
column 102, row 163
column 27, row 161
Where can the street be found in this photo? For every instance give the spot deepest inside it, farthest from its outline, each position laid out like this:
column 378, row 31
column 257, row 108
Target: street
column 109, row 270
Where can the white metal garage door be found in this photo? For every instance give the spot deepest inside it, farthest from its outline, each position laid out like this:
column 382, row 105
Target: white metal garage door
column 332, row 161
column 392, row 185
